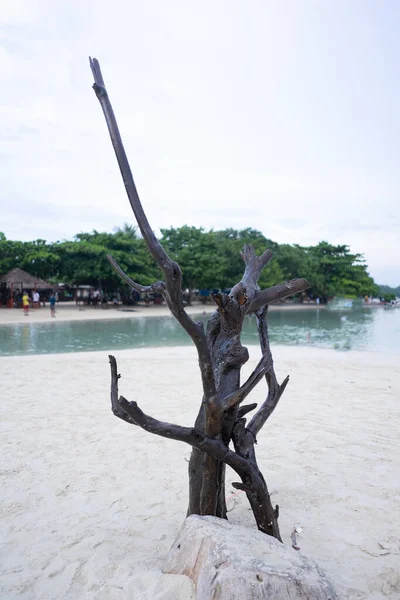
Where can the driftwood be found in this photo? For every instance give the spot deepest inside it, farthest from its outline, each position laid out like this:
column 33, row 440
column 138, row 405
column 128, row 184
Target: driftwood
column 230, row 562
column 221, row 418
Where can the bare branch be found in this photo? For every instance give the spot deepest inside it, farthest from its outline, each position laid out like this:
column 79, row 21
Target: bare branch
column 189, row 435
column 221, row 300
column 115, row 407
column 252, row 481
column 256, row 489
column 241, row 486
column 267, row 408
column 239, row 395
column 244, row 410
column 246, row 289
column 277, row 292
column 254, row 264
column 275, row 390
column 157, row 287
column 262, row 328
column 154, row 245
column 97, row 76
column 172, row 272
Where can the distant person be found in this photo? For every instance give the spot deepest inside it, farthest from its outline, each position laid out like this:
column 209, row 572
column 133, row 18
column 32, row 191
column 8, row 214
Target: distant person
column 36, row 299
column 25, row 303
column 317, row 301
column 53, row 305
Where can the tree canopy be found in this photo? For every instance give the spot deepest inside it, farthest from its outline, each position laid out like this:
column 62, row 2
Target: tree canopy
column 389, row 293
column 209, row 260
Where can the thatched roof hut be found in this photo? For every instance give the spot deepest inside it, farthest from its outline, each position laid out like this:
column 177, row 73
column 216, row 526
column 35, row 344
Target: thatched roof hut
column 17, row 278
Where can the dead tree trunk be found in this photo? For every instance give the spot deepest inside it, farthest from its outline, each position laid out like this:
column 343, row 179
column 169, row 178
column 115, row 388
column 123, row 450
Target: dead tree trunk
column 221, row 418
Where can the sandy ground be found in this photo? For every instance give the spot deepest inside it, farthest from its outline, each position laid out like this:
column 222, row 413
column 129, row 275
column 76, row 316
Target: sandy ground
column 67, row 311
column 91, row 505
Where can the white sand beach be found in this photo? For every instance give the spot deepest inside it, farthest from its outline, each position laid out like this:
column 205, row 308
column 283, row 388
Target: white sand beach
column 91, row 505
column 68, row 311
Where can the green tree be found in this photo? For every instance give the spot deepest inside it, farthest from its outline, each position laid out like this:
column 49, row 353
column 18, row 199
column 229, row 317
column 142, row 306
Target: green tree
column 230, row 244
column 41, row 259
column 387, row 289
column 197, row 253
column 12, row 254
column 208, row 260
column 84, row 260
column 336, row 271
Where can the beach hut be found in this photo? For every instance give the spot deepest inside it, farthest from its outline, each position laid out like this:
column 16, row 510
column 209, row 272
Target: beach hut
column 18, row 280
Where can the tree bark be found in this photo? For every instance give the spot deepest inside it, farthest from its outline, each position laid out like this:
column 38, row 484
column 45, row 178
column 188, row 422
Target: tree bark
column 221, row 418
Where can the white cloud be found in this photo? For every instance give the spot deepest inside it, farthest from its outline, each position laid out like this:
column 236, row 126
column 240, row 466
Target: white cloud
column 278, row 116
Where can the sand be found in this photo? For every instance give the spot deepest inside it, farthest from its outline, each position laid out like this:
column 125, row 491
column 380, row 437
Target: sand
column 68, row 311
column 91, row 505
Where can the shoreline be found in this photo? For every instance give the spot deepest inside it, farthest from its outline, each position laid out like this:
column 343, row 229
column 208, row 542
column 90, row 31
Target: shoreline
column 65, row 311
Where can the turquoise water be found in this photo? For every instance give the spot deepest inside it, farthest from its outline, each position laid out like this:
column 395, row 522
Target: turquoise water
column 369, row 329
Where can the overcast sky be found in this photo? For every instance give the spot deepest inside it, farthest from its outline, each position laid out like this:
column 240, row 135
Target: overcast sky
column 280, row 115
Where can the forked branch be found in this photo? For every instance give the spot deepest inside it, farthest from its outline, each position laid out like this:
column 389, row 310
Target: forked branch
column 221, row 419
column 252, row 481
column 277, row 292
column 171, row 270
column 115, row 407
column 253, row 267
column 275, row 390
column 234, row 399
column 189, row 435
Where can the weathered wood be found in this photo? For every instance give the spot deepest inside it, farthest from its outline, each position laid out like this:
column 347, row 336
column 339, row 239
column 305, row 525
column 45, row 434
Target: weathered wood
column 239, row 395
column 252, row 481
column 228, row 356
column 278, row 292
column 275, row 390
column 171, row 270
column 256, row 489
column 158, row 286
column 115, row 407
column 220, row 420
column 227, row 562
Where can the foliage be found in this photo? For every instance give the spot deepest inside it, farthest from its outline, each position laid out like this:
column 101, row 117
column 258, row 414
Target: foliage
column 212, row 259
column 389, row 296
column 230, row 243
column 37, row 257
column 197, row 253
column 84, row 260
column 209, row 260
column 335, row 271
column 386, row 289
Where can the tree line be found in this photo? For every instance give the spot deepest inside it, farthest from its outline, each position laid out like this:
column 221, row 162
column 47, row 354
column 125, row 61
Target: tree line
column 209, row 260
column 389, row 293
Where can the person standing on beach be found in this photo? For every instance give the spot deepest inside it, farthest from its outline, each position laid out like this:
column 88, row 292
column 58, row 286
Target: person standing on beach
column 25, row 303
column 36, row 299
column 53, row 305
